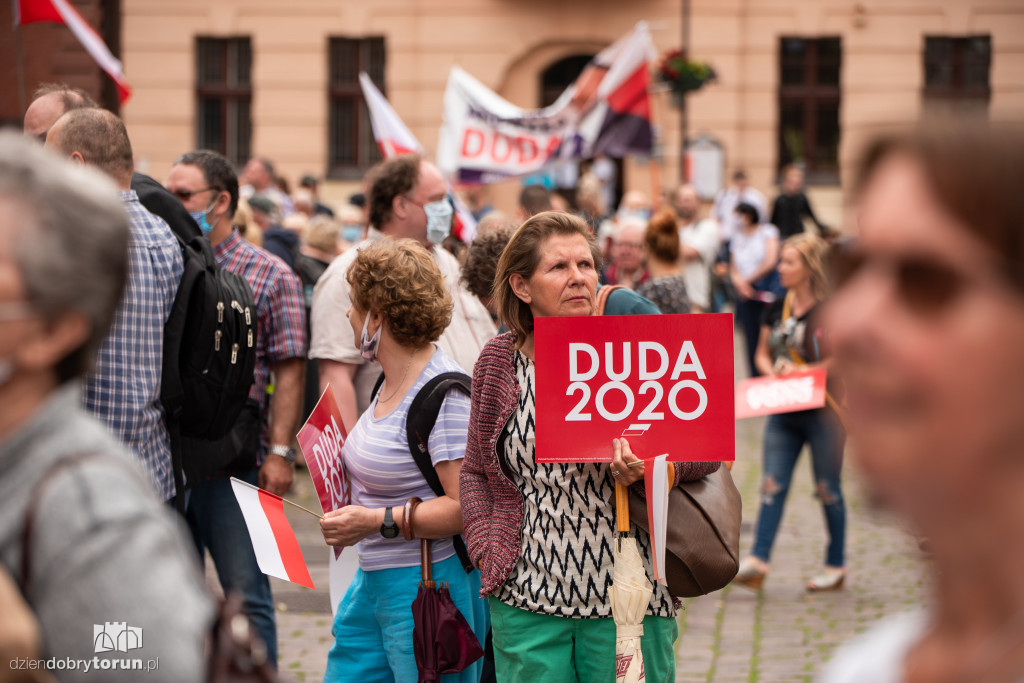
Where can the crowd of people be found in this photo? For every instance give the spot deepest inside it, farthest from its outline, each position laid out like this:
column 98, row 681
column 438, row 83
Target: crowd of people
column 376, row 297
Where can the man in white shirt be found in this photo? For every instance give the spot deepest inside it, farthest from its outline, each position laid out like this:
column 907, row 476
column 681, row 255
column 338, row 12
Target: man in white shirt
column 399, row 189
column 724, row 209
column 699, row 244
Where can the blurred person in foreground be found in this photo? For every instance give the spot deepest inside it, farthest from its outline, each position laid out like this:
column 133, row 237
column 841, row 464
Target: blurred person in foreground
column 666, row 287
column 792, row 339
column 927, row 326
column 523, row 520
column 81, row 531
column 397, row 321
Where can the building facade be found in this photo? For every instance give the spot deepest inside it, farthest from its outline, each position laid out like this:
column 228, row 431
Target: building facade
column 798, row 80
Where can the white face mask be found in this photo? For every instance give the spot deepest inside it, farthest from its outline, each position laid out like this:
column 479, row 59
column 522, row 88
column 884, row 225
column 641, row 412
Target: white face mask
column 439, row 220
column 368, row 347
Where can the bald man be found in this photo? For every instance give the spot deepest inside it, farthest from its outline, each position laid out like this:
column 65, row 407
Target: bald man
column 52, row 100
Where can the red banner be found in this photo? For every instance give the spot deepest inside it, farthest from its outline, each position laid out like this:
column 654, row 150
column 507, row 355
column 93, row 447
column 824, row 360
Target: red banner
column 321, row 439
column 665, row 382
column 781, row 394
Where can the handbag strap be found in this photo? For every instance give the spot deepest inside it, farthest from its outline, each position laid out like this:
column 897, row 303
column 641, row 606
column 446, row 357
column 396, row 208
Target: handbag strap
column 31, row 512
column 602, row 297
column 787, row 310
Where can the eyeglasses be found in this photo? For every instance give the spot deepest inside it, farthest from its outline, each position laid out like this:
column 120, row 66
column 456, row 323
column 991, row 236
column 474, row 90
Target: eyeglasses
column 185, row 195
column 925, row 284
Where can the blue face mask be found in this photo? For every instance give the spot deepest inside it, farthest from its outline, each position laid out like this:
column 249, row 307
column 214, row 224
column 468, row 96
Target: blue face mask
column 439, row 220
column 351, row 233
column 200, row 218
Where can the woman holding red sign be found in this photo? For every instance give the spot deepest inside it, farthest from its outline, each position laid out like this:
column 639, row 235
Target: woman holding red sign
column 791, row 339
column 542, row 534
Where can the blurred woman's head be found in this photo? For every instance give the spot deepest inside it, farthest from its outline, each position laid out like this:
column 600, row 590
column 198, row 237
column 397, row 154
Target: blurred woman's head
column 748, row 214
column 398, row 281
column 548, row 268
column 661, row 240
column 803, row 259
column 927, row 321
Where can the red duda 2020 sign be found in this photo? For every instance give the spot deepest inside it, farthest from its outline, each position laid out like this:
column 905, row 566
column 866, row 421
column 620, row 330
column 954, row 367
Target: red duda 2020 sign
column 665, row 382
column 321, row 439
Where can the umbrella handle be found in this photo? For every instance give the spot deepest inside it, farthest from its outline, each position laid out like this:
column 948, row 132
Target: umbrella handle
column 426, row 561
column 621, row 508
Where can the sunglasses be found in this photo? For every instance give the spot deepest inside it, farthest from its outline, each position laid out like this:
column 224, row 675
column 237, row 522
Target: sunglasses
column 185, row 195
column 924, row 284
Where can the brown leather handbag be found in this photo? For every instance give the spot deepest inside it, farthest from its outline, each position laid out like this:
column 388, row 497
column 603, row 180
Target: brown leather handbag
column 702, row 544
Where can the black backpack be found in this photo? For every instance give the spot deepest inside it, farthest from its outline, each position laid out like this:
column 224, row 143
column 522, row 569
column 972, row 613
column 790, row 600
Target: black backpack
column 418, row 425
column 209, row 355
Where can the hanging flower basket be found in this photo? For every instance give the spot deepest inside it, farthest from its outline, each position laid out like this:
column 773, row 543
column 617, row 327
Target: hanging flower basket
column 683, row 75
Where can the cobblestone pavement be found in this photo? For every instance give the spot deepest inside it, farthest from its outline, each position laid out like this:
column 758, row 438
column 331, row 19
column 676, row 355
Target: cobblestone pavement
column 778, row 635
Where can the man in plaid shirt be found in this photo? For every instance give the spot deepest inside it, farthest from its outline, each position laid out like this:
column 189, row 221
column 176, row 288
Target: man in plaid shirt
column 123, row 390
column 208, row 187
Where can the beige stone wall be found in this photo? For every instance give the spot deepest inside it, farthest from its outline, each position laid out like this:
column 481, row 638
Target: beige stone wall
column 507, row 43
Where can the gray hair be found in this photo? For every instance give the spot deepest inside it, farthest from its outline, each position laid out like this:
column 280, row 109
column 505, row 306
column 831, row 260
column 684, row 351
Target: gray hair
column 69, row 242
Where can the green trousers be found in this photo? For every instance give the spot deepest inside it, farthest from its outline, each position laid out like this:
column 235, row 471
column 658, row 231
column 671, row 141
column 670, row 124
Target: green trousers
column 541, row 648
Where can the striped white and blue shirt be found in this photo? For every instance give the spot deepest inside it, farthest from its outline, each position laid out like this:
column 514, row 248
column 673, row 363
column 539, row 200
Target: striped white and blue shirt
column 382, row 472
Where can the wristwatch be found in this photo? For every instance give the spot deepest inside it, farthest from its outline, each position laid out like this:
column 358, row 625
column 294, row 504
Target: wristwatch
column 389, row 529
column 286, row 452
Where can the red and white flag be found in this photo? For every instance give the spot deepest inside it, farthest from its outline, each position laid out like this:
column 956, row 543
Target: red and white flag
column 277, row 548
column 394, row 137
column 63, row 12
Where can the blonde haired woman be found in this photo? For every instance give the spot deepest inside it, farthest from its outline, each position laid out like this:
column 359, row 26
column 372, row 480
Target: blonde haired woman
column 792, row 339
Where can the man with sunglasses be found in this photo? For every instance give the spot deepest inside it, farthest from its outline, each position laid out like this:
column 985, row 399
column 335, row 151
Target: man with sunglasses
column 207, row 185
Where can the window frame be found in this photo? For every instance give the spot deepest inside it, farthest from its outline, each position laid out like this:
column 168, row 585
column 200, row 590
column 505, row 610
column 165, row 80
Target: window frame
column 371, row 57
column 809, row 95
column 230, row 92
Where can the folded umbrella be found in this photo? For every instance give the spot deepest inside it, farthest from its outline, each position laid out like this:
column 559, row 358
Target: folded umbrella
column 442, row 640
column 630, row 595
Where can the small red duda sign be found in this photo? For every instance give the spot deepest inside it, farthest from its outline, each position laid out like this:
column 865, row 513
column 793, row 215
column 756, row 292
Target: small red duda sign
column 782, row 394
column 321, row 439
column 665, row 382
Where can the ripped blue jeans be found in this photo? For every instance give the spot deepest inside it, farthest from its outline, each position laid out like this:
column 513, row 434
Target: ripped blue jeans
column 784, row 438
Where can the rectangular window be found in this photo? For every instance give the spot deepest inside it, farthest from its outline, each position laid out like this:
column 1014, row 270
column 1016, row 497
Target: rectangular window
column 351, row 147
column 956, row 74
column 224, row 96
column 809, row 105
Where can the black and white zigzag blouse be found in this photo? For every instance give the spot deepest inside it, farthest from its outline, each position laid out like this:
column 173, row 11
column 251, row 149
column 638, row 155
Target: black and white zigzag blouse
column 566, row 559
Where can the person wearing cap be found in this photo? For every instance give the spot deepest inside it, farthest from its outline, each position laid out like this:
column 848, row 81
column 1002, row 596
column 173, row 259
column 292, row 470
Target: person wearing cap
column 309, row 182
column 279, row 241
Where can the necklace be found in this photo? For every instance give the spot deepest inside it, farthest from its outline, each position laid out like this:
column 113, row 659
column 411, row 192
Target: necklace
column 400, row 383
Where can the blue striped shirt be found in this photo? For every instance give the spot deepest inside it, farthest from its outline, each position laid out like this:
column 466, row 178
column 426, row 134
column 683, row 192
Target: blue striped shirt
column 382, row 472
column 123, row 390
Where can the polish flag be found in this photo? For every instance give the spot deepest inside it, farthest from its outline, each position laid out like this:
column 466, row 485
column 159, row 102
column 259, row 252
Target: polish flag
column 63, row 12
column 277, row 548
column 394, row 137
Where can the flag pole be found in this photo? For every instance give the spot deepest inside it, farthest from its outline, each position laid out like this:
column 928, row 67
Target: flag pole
column 19, row 58
column 306, row 510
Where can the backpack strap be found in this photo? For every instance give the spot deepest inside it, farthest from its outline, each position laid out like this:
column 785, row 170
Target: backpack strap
column 420, row 422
